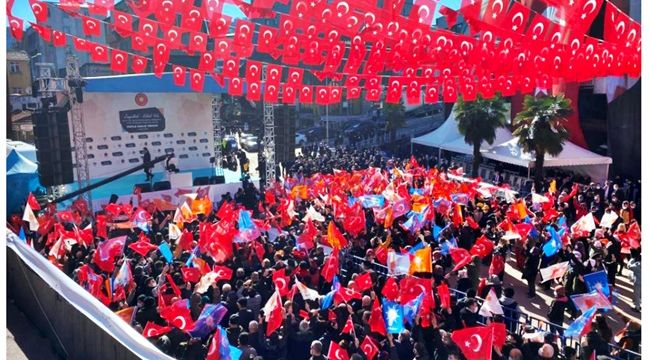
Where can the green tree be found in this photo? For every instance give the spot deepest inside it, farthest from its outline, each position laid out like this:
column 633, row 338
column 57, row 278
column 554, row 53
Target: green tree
column 394, row 118
column 541, row 128
column 478, row 121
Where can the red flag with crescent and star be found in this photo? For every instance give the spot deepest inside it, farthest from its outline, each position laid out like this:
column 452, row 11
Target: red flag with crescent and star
column 475, row 342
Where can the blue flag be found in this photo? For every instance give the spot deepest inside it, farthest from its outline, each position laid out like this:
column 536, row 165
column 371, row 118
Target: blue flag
column 445, row 246
column 166, row 252
column 235, row 354
column 394, row 316
column 561, row 221
column 207, row 322
column 554, row 245
column 328, row 299
column 224, row 346
column 21, row 234
column 372, row 201
column 412, row 308
column 597, row 281
column 437, row 230
column 416, row 247
column 245, row 222
column 577, row 327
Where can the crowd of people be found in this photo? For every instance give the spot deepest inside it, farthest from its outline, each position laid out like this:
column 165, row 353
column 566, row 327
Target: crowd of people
column 315, row 252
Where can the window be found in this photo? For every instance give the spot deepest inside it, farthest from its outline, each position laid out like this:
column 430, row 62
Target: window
column 14, row 67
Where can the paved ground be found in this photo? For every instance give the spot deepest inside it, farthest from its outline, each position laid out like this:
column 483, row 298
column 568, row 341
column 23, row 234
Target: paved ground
column 539, row 306
column 24, row 340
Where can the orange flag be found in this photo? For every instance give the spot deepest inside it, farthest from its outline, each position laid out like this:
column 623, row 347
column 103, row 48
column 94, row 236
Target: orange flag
column 421, row 261
column 520, row 208
column 126, row 314
column 334, row 237
column 203, row 206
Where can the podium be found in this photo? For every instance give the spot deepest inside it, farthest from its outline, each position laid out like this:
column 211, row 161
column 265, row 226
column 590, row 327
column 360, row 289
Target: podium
column 180, row 180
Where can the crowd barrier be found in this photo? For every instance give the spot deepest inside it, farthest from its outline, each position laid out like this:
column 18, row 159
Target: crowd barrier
column 517, row 325
column 78, row 325
column 174, row 195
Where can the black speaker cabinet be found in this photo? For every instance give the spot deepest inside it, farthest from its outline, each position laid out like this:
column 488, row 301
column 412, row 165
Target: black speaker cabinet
column 53, row 148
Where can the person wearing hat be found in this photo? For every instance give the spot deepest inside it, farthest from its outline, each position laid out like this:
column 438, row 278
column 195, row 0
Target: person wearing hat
column 558, row 306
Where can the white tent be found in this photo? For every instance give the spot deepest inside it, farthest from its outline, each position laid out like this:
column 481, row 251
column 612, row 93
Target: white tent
column 447, row 137
column 579, row 160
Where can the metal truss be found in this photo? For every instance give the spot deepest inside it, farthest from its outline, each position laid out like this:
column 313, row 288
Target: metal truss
column 217, row 133
column 78, row 128
column 269, row 140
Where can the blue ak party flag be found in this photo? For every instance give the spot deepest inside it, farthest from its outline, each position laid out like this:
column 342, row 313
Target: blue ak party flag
column 394, row 316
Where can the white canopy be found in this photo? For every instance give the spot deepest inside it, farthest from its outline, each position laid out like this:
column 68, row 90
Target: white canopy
column 448, row 138
column 505, row 149
column 580, row 160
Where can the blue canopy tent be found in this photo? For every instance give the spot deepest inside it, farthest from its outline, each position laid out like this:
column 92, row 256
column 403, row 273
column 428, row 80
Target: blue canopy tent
column 22, row 177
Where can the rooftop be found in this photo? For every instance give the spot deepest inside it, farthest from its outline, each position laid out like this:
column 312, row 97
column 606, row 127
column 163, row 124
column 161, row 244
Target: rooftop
column 17, row 55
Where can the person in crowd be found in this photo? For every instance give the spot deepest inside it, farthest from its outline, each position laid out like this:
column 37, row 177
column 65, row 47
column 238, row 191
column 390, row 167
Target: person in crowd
column 290, row 246
column 146, row 160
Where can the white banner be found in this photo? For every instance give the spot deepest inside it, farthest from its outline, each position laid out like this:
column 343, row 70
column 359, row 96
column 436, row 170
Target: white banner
column 99, row 314
column 119, row 125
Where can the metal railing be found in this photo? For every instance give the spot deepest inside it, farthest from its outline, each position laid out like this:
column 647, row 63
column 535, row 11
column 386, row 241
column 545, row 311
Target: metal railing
column 515, row 325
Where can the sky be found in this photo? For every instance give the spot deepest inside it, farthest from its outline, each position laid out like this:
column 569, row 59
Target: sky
column 22, row 10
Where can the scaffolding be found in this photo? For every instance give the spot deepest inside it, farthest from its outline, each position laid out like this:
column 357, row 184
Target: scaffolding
column 217, row 134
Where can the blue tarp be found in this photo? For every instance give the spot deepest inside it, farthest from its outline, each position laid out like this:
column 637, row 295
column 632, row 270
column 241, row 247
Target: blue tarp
column 22, row 177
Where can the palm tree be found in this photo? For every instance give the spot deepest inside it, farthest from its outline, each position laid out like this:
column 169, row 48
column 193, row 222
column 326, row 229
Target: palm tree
column 541, row 128
column 395, row 118
column 478, row 121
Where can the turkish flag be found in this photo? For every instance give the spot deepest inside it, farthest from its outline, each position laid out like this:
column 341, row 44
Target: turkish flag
column 119, row 61
column 253, row 71
column 44, row 32
column 222, row 272
column 336, row 352
column 91, row 27
column 142, row 247
column 497, row 265
column 178, row 315
column 243, row 38
column 305, row 96
column 411, row 287
column 59, row 38
column 152, row 329
column 179, row 75
column 271, row 93
column 273, row 74
column 193, row 19
column 198, row 42
column 391, row 289
column 219, row 26
column 273, row 310
column 254, row 91
column 369, row 347
column 172, row 36
column 431, row 95
column 461, row 257
column 499, row 333
column 331, row 266
column 197, row 79
column 16, row 27
column 495, row 12
column 191, row 274
column 482, row 247
column 230, row 67
column 267, row 39
column 122, row 23
column 39, row 8
column 517, row 18
column 475, row 342
column 138, row 63
column 363, row 281
column 376, row 321
column 373, row 95
column 281, row 282
column 288, row 94
column 235, row 87
column 444, row 295
column 471, row 9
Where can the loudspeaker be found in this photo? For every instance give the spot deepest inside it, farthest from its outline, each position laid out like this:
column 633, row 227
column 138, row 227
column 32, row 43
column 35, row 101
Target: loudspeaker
column 219, row 179
column 203, row 180
column 53, row 148
column 144, row 187
column 285, row 133
column 113, row 199
column 162, row 185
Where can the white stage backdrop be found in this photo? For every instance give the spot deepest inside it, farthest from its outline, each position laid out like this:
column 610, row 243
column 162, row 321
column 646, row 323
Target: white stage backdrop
column 119, row 125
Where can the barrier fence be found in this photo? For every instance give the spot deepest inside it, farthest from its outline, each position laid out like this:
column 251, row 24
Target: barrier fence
column 516, row 325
